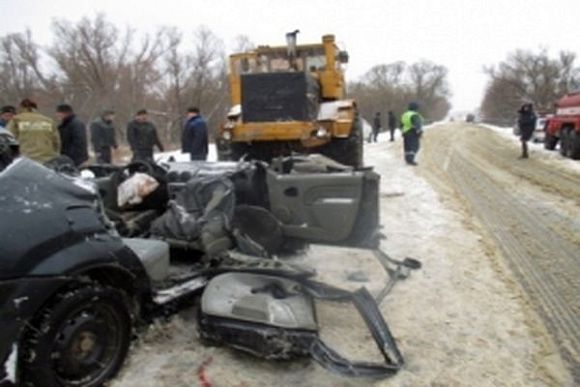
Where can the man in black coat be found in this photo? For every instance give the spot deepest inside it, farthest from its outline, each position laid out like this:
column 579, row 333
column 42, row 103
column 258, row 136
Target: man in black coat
column 392, row 124
column 103, row 137
column 194, row 139
column 377, row 125
column 73, row 135
column 527, row 124
column 142, row 137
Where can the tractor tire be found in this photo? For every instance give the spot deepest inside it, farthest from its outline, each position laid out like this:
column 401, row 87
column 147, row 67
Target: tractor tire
column 348, row 151
column 564, row 142
column 550, row 142
column 574, row 145
column 81, row 337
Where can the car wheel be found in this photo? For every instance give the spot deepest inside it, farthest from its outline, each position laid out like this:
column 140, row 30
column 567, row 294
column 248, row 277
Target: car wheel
column 80, row 338
column 550, row 142
column 574, row 145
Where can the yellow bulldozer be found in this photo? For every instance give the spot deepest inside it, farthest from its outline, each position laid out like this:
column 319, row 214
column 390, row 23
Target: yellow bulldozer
column 291, row 99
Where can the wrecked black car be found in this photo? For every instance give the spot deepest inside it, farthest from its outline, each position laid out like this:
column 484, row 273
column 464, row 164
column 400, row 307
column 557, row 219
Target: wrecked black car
column 82, row 262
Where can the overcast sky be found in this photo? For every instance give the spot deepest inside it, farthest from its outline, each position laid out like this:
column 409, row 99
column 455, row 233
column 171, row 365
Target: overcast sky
column 462, row 35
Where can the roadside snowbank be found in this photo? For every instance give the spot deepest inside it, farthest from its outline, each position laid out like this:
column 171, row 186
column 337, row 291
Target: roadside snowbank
column 538, row 148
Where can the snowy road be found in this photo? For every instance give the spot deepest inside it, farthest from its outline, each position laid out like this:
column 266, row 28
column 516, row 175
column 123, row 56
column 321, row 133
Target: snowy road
column 463, row 319
column 531, row 210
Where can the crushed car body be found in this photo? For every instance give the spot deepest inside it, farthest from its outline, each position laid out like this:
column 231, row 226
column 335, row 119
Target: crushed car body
column 79, row 267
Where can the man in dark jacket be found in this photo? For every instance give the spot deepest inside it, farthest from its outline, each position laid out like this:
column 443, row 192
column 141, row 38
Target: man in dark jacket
column 73, row 135
column 377, row 125
column 7, row 113
column 195, row 137
column 142, row 137
column 103, row 137
column 392, row 124
column 527, row 124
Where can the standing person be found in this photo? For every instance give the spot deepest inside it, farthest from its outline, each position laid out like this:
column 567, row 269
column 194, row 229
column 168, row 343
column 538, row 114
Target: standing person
column 142, row 137
column 194, row 139
column 9, row 148
column 392, row 124
column 6, row 115
column 73, row 135
column 103, row 137
column 412, row 127
column 527, row 124
column 377, row 125
column 37, row 134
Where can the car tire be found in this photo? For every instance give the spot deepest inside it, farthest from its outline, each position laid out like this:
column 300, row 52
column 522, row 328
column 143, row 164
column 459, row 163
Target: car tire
column 574, row 145
column 550, row 142
column 81, row 337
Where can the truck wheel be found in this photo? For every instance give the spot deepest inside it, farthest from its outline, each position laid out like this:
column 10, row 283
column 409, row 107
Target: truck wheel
column 348, row 151
column 80, row 338
column 574, row 144
column 550, row 142
column 564, row 142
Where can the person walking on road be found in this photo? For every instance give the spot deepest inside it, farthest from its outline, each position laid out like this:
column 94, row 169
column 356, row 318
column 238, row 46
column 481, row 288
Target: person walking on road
column 6, row 115
column 527, row 124
column 73, row 135
column 37, row 134
column 412, row 128
column 142, row 137
column 194, row 139
column 103, row 137
column 377, row 125
column 392, row 124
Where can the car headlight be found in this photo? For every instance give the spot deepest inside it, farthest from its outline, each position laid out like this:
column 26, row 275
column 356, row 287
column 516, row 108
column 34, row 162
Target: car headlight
column 227, row 135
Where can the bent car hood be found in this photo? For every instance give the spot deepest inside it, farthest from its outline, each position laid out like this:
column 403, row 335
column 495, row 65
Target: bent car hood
column 39, row 215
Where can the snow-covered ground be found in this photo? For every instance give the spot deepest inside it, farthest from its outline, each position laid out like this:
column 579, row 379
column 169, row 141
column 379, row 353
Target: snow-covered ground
column 458, row 321
column 176, row 155
column 553, row 156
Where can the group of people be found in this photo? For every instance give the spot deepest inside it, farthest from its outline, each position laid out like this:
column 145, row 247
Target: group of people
column 411, row 124
column 43, row 140
column 377, row 125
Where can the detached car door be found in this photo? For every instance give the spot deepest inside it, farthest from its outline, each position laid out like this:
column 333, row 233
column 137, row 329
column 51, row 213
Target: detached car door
column 339, row 208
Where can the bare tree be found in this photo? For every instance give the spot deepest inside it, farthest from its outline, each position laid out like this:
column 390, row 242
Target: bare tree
column 527, row 76
column 392, row 86
column 20, row 70
column 243, row 43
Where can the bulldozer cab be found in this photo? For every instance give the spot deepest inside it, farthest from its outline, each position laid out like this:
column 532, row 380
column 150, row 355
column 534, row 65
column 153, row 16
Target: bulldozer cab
column 323, row 62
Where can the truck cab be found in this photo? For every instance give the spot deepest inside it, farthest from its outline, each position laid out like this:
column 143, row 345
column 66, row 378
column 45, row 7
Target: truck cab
column 564, row 126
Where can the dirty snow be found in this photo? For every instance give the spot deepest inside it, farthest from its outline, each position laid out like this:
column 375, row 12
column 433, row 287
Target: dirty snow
column 552, row 155
column 178, row 156
column 457, row 321
column 10, row 365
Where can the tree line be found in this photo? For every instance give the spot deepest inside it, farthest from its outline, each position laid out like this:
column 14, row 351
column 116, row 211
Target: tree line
column 527, row 76
column 94, row 65
column 392, row 86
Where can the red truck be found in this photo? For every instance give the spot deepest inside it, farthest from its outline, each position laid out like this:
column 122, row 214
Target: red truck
column 564, row 126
